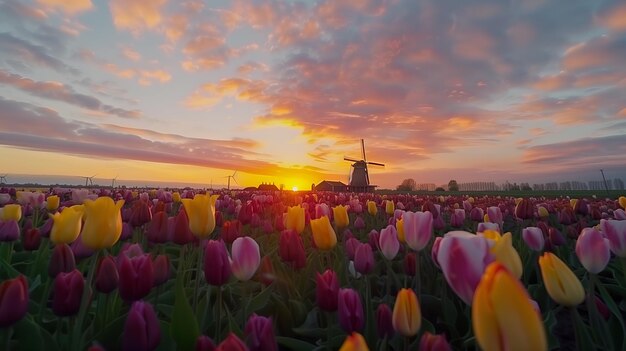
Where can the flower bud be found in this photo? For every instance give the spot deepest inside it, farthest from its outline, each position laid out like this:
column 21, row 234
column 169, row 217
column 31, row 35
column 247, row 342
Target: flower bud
column 13, row 301
column 61, row 260
column 68, row 292
column 142, row 330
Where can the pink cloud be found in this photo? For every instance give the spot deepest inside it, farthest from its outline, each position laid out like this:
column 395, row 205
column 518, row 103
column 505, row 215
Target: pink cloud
column 70, row 7
column 136, row 15
column 614, row 17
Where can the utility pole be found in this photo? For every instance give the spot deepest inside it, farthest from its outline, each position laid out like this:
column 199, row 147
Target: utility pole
column 606, row 187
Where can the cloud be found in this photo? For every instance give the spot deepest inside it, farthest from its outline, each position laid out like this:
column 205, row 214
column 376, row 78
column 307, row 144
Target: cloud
column 30, row 55
column 136, row 15
column 587, row 152
column 27, row 126
column 61, row 92
column 69, row 7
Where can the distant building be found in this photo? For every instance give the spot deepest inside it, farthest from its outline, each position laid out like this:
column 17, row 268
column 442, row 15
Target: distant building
column 329, row 185
column 478, row 186
column 267, row 187
column 596, row 185
column 618, row 184
column 426, row 187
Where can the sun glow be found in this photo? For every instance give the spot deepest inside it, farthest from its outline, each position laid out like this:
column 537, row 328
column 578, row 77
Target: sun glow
column 295, row 188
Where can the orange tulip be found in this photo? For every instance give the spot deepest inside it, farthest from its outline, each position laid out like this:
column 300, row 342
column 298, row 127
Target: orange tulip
column 407, row 315
column 354, row 342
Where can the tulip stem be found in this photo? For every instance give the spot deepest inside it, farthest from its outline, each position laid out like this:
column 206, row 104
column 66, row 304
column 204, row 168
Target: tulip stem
column 198, row 265
column 43, row 303
column 5, row 336
column 218, row 332
column 7, row 253
column 84, row 304
column 417, row 274
column 206, row 308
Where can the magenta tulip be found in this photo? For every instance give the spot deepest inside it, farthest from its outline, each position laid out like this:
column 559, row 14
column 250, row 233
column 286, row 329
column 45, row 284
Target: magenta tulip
column 364, row 259
column 68, row 292
column 418, row 229
column 388, row 242
column 384, row 325
column 9, row 231
column 327, row 290
column 350, row 310
column 593, row 250
column 216, row 263
column 260, row 334
column 61, row 260
column 463, row 258
column 107, row 276
column 136, row 276
column 162, row 270
column 204, row 343
column 291, row 249
column 232, row 343
column 495, row 215
column 457, row 218
column 158, row 228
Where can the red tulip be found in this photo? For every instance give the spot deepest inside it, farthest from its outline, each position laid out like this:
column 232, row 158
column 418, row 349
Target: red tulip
column 68, row 292
column 217, row 269
column 62, row 260
column 232, row 343
column 181, row 234
column 158, row 229
column 136, row 276
column 291, row 249
column 327, row 290
column 31, row 240
column 107, row 277
column 13, row 301
column 162, row 270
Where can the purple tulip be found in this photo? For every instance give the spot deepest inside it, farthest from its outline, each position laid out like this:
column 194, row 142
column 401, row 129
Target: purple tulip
column 107, row 277
column 350, row 310
column 533, row 237
column 142, row 330
column 61, row 260
column 364, row 259
column 384, row 325
column 216, row 263
column 9, row 231
column 389, row 244
column 593, row 250
column 136, row 276
column 260, row 334
column 68, row 292
column 327, row 290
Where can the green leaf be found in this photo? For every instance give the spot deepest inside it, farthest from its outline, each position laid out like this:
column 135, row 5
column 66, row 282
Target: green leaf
column 294, row 344
column 184, row 328
column 28, row 335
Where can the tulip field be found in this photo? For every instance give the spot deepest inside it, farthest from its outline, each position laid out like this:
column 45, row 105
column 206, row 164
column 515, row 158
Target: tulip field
column 119, row 269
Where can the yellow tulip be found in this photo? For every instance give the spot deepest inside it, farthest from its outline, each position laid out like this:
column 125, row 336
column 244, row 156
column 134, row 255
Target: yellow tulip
column 389, row 207
column 354, row 342
column 340, row 214
column 561, row 283
column 323, row 233
column 407, row 315
column 543, row 212
column 67, row 224
column 295, row 218
column 176, row 196
column 503, row 316
column 573, row 202
column 201, row 213
column 400, row 230
column 371, row 208
column 507, row 255
column 470, row 200
column 103, row 222
column 486, row 218
column 622, row 201
column 12, row 212
column 52, row 203
column 492, row 235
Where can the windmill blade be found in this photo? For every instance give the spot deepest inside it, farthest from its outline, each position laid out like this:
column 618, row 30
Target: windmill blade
column 363, row 150
column 235, row 180
column 234, row 174
column 350, row 159
column 376, row 164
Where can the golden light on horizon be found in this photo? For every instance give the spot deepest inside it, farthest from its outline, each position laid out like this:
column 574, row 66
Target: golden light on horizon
column 295, row 188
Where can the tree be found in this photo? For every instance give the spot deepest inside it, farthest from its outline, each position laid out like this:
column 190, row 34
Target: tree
column 407, row 185
column 453, row 186
column 440, row 189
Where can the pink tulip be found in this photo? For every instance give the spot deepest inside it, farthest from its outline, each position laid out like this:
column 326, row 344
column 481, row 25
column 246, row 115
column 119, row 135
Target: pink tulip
column 418, row 229
column 592, row 250
column 457, row 218
column 482, row 226
column 615, row 231
column 619, row 214
column 463, row 258
column 495, row 215
column 435, row 250
column 364, row 259
column 533, row 237
column 388, row 242
column 246, row 258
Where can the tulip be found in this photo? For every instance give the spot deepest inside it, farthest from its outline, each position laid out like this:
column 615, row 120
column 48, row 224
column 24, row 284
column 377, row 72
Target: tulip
column 494, row 215
column 542, row 212
column 506, row 254
column 524, row 209
column 204, row 343
column 340, row 215
column 373, row 239
column 389, row 244
column 418, row 229
column 9, row 231
column 217, row 269
column 457, row 218
column 503, row 317
column 484, row 226
column 66, row 224
column 533, row 237
column 622, row 202
column 435, row 251
column 407, row 316
column 477, row 214
column 136, row 276
column 107, row 276
column 364, row 259
column 581, row 207
column 162, row 269
column 232, row 343
column 52, row 203
column 399, row 230
column 372, row 209
column 140, row 213
column 409, row 264
column 567, row 216
column 359, row 223
column 260, row 334
column 13, row 301
column 561, row 283
column 463, row 258
column 350, row 310
column 291, row 249
column 176, row 196
column 593, row 250
column 389, row 207
column 103, row 223
column 68, row 292
column 384, row 324
column 354, row 342
column 322, row 210
column 431, row 342
column 11, row 212
column 615, row 231
column 32, row 239
column 246, row 258
column 142, row 330
column 327, row 290
column 181, row 234
column 245, row 214
column 201, row 213
column 324, row 235
column 4, row 199
column 265, row 274
column 619, row 214
column 61, row 261
column 158, row 228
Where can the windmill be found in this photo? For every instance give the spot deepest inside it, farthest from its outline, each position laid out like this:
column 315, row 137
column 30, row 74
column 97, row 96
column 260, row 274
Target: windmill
column 88, row 180
column 3, row 179
column 359, row 175
column 233, row 177
column 113, row 181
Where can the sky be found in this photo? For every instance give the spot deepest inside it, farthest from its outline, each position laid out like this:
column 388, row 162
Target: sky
column 188, row 92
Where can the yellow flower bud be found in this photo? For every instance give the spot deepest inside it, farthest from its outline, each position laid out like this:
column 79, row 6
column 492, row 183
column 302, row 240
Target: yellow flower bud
column 201, row 213
column 507, row 255
column 407, row 315
column 103, row 223
column 52, row 203
column 323, row 233
column 67, row 224
column 295, row 219
column 561, row 283
column 340, row 214
column 11, row 212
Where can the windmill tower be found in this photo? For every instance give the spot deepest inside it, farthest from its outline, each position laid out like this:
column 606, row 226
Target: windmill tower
column 3, row 179
column 233, row 178
column 359, row 175
column 113, row 181
column 88, row 180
